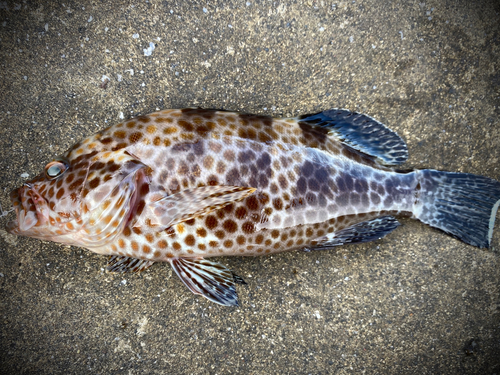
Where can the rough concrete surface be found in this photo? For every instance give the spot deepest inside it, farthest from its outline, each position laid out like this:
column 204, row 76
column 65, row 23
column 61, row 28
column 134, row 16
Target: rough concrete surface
column 416, row 302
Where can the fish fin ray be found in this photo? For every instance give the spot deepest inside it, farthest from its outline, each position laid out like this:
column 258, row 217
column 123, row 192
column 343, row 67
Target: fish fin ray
column 190, row 203
column 460, row 204
column 361, row 132
column 365, row 231
column 123, row 264
column 210, row 279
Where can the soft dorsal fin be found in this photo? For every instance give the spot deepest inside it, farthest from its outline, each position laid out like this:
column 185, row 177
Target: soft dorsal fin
column 210, row 279
column 123, row 264
column 189, row 203
column 362, row 133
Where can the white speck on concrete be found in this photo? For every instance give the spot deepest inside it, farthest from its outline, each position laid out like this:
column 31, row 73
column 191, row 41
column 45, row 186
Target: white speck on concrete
column 401, row 33
column 374, row 46
column 141, row 331
column 106, row 29
column 119, row 77
column 46, row 27
column 321, row 29
column 24, row 175
column 351, row 39
column 121, row 116
column 104, row 78
column 135, row 36
column 205, row 10
column 124, row 282
column 148, row 51
column 90, row 19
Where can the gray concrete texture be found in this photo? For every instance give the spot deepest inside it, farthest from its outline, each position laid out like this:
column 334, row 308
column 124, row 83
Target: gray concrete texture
column 416, row 302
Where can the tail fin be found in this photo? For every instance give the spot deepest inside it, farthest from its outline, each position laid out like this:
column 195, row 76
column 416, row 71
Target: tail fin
column 461, row 204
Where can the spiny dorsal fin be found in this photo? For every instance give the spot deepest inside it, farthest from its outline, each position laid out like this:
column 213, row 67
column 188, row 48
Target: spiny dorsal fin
column 362, row 133
column 190, row 203
column 210, row 279
column 125, row 264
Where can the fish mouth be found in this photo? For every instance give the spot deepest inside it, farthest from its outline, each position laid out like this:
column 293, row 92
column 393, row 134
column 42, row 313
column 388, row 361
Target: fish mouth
column 28, row 206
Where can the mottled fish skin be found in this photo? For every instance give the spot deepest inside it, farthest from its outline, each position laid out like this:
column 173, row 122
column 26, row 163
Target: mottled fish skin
column 305, row 184
column 195, row 183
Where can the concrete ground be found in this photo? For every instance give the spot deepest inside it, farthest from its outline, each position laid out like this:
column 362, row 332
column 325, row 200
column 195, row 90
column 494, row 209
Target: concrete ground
column 416, row 302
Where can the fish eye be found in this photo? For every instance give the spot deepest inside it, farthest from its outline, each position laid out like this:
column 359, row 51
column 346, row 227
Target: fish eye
column 55, row 169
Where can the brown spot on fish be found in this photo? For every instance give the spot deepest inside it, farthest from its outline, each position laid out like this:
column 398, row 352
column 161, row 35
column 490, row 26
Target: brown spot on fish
column 120, row 134
column 252, row 203
column 106, row 141
column 134, row 137
column 201, row 232
column 94, row 183
column 60, row 193
column 186, row 126
column 190, row 240
column 248, row 227
column 211, row 222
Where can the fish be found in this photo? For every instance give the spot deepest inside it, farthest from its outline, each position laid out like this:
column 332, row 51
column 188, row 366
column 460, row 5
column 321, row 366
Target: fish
column 186, row 185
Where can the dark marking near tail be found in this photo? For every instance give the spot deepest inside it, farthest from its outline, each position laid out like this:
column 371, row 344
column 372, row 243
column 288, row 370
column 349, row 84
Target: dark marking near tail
column 249, row 118
column 205, row 113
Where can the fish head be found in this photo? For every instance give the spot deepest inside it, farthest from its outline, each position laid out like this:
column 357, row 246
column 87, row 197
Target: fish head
column 84, row 200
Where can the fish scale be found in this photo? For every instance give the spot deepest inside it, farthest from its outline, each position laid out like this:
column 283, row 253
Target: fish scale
column 180, row 186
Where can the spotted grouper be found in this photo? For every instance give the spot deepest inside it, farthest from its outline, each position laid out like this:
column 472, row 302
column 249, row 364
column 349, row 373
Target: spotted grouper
column 183, row 186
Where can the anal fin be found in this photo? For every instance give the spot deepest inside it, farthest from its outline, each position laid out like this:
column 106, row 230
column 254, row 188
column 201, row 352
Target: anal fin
column 365, row 231
column 123, row 264
column 210, row 279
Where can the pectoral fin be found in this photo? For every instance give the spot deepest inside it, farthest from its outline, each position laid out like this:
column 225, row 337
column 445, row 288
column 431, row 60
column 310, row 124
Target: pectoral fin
column 361, row 232
column 190, row 203
column 210, row 279
column 125, row 264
